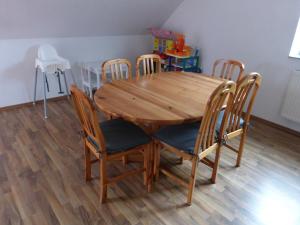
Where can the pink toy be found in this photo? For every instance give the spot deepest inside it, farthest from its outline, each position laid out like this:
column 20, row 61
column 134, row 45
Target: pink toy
column 163, row 34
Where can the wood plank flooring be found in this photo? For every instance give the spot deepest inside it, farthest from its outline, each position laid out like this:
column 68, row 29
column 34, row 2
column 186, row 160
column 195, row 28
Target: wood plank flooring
column 42, row 179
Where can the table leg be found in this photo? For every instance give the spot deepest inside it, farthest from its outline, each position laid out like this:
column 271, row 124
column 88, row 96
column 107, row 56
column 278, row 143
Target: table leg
column 153, row 156
column 156, row 160
column 35, row 84
column 151, row 166
column 169, row 63
column 72, row 76
column 66, row 84
column 98, row 80
column 90, row 84
column 45, row 96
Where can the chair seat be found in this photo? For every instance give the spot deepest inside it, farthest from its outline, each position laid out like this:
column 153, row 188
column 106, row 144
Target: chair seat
column 121, row 135
column 220, row 118
column 49, row 61
column 182, row 136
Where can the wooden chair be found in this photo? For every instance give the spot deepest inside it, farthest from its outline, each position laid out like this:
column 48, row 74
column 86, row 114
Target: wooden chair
column 226, row 69
column 147, row 65
column 119, row 69
column 195, row 141
column 108, row 141
column 239, row 117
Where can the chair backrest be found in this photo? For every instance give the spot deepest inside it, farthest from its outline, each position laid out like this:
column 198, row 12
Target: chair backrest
column 75, row 93
column 88, row 118
column 228, row 69
column 243, row 101
column 148, row 64
column 47, row 52
column 207, row 132
column 119, row 69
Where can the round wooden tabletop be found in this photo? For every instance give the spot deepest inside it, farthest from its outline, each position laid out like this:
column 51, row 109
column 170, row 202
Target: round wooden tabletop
column 165, row 98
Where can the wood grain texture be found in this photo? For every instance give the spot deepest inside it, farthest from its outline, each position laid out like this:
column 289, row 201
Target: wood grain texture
column 166, row 98
column 276, row 126
column 206, row 141
column 5, row 108
column 42, row 179
column 244, row 98
column 90, row 126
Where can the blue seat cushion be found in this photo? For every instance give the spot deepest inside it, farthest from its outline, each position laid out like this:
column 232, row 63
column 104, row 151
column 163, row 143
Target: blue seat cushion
column 182, row 136
column 220, row 118
column 121, row 135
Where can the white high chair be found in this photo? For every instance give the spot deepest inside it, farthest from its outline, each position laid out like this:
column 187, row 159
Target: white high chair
column 49, row 62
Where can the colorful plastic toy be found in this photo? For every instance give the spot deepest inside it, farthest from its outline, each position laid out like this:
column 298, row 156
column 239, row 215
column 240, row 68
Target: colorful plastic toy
column 173, row 51
column 162, row 34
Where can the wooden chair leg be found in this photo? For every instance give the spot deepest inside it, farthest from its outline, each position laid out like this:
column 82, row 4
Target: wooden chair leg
column 125, row 160
column 103, row 184
column 192, row 181
column 241, row 149
column 146, row 165
column 88, row 164
column 180, row 160
column 216, row 165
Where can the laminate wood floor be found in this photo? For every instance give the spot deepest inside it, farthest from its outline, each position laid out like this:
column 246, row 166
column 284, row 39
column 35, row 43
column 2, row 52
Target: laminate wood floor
column 42, row 179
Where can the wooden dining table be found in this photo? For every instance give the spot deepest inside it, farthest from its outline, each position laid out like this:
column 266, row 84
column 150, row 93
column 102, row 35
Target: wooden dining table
column 156, row 100
column 160, row 99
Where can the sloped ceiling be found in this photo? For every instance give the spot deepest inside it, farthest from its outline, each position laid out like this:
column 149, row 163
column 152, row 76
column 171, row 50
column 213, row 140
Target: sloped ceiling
column 69, row 18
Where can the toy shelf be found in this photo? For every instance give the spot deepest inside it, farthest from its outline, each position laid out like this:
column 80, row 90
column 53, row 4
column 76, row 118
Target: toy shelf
column 175, row 55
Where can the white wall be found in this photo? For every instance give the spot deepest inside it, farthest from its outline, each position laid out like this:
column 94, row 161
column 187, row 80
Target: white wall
column 77, row 18
column 259, row 33
column 17, row 61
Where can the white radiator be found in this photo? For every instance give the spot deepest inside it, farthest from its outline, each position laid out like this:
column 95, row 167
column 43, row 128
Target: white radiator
column 291, row 104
